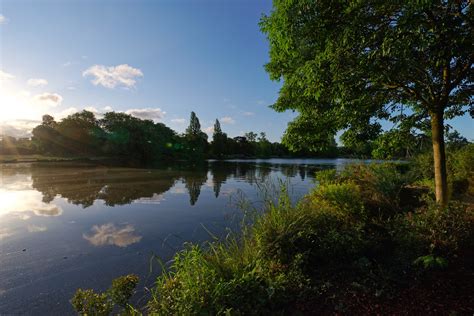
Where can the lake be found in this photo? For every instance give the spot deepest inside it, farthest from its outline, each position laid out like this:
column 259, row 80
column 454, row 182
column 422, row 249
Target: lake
column 70, row 225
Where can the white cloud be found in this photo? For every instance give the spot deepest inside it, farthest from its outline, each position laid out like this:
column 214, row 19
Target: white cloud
column 37, row 82
column 3, row 19
column 66, row 112
column 18, row 128
column 154, row 114
column 261, row 102
column 109, row 234
column 91, row 109
column 36, row 228
column 179, row 120
column 48, row 210
column 111, row 77
column 5, row 232
column 49, row 99
column 4, row 76
column 108, row 109
column 248, row 113
column 71, row 88
column 155, row 199
column 98, row 113
column 209, row 130
column 227, row 120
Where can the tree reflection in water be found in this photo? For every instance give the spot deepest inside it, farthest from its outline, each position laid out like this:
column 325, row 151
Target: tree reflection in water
column 82, row 184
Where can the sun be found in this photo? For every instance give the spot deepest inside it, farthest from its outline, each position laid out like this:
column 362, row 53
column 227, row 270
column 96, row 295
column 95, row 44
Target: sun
column 17, row 104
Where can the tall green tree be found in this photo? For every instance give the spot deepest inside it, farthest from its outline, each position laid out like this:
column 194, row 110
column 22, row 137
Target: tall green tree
column 345, row 62
column 251, row 136
column 194, row 127
column 219, row 140
column 197, row 139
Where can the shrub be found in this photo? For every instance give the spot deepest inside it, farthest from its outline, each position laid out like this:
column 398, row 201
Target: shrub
column 345, row 196
column 460, row 168
column 210, row 281
column 310, row 237
column 443, row 231
column 122, row 289
column 326, row 176
column 461, row 162
column 380, row 185
column 88, row 302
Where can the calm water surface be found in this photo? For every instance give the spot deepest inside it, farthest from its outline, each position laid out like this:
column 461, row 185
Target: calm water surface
column 65, row 226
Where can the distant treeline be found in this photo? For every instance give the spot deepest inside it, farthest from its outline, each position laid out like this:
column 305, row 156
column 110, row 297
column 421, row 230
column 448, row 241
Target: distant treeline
column 120, row 135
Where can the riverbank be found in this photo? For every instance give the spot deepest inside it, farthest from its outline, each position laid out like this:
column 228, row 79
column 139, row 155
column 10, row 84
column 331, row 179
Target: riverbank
column 43, row 158
column 366, row 240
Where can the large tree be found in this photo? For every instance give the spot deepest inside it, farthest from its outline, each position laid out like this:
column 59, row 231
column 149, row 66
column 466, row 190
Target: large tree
column 347, row 62
column 219, row 140
column 196, row 138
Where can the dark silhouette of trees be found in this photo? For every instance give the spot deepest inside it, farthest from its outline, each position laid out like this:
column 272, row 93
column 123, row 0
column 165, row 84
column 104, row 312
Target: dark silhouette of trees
column 82, row 185
column 193, row 181
column 196, row 139
column 143, row 142
column 219, row 141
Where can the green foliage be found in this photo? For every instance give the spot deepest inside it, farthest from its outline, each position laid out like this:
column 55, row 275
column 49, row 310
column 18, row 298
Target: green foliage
column 215, row 281
column 88, row 302
column 443, row 231
column 251, row 136
column 359, row 138
column 343, row 63
column 347, row 64
column 431, row 262
column 219, row 141
column 326, row 176
column 344, row 196
column 196, row 140
column 460, row 164
column 380, row 185
column 307, row 237
column 122, row 289
column 123, row 136
column 394, row 144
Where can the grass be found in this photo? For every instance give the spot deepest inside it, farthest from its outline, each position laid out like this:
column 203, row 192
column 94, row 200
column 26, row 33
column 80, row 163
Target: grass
column 349, row 245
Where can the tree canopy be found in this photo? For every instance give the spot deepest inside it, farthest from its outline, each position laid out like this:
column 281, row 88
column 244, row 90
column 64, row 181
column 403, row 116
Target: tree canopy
column 346, row 63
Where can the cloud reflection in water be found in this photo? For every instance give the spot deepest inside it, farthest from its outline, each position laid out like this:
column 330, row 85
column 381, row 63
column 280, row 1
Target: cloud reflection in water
column 109, row 234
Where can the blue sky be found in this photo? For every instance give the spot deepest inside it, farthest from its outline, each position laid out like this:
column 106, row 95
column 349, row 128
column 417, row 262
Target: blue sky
column 154, row 59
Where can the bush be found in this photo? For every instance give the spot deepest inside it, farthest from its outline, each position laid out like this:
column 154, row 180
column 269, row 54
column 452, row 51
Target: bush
column 380, row 186
column 460, row 168
column 443, row 231
column 307, row 236
column 326, row 176
column 88, row 302
column 345, row 196
column 210, row 281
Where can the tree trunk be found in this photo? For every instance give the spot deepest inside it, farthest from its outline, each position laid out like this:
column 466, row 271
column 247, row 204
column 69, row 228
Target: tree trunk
column 439, row 155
